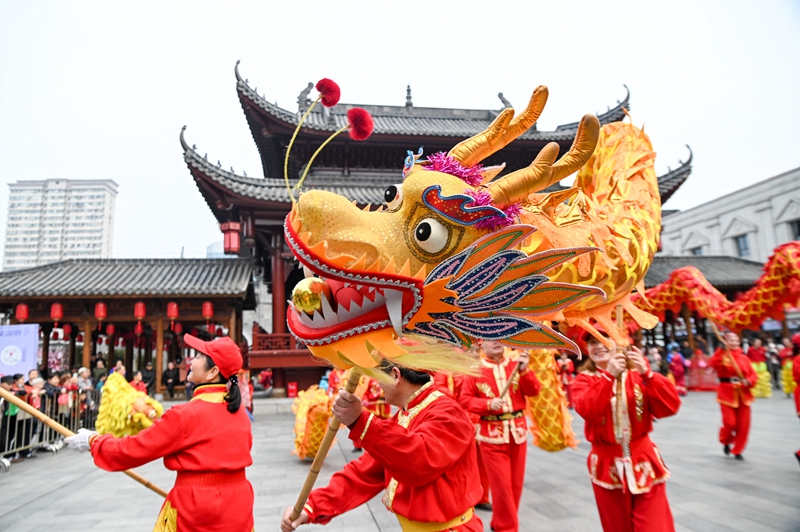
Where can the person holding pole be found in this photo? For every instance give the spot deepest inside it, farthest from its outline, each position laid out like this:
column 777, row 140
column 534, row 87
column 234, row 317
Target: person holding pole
column 627, row 471
column 498, row 395
column 207, row 441
column 423, row 458
column 734, row 395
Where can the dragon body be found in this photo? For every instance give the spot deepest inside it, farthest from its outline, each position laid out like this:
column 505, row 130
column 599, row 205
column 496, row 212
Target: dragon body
column 777, row 287
column 457, row 255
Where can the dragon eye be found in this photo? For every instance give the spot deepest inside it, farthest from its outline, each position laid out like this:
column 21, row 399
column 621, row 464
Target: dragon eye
column 393, row 196
column 431, row 235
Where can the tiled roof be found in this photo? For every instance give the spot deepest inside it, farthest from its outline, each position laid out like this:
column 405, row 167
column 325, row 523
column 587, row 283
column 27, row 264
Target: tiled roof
column 130, row 277
column 720, row 271
column 670, row 182
column 363, row 189
column 416, row 121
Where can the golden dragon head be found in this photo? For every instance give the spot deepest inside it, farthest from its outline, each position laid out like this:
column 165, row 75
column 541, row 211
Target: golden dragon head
column 441, row 259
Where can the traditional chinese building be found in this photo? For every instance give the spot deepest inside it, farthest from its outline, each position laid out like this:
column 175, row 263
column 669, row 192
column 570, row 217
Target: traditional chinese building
column 137, row 308
column 252, row 209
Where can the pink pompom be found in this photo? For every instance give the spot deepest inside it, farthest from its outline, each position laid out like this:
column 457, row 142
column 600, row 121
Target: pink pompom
column 330, row 92
column 361, row 123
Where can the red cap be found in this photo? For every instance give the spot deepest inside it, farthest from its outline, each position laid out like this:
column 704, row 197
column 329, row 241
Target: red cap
column 223, row 351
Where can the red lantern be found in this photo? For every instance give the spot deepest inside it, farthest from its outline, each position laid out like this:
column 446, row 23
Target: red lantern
column 56, row 312
column 67, row 329
column 178, row 329
column 139, row 310
column 110, row 329
column 79, row 338
column 100, row 341
column 56, row 336
column 232, row 238
column 138, row 329
column 100, row 312
column 220, row 332
column 208, row 311
column 21, row 313
column 172, row 313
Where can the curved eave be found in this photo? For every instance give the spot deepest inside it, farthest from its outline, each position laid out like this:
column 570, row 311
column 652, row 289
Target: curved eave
column 670, row 182
column 222, row 188
column 615, row 114
column 399, row 123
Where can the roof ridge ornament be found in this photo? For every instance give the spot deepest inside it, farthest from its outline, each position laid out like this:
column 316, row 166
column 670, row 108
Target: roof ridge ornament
column 409, row 103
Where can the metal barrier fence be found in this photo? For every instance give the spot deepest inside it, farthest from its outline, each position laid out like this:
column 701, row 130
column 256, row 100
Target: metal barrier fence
column 22, row 434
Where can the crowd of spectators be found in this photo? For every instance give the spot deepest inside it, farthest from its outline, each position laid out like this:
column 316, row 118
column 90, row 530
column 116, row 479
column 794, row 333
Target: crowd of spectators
column 69, row 397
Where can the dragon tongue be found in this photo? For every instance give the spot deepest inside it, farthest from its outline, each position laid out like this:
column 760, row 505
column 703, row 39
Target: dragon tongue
column 394, row 305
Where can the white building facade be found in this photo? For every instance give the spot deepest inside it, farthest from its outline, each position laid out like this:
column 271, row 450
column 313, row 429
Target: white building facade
column 58, row 219
column 749, row 223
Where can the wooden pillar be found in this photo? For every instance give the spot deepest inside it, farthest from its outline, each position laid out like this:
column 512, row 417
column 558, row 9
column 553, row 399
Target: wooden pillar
column 785, row 327
column 687, row 319
column 46, row 332
column 87, row 344
column 73, row 335
column 278, row 286
column 159, row 352
column 129, row 348
column 232, row 325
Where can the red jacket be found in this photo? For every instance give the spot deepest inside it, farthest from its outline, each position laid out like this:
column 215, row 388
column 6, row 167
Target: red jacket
column 796, row 376
column 477, row 393
column 374, row 402
column 647, row 397
column 566, row 369
column 733, row 394
column 423, row 458
column 757, row 354
column 200, row 436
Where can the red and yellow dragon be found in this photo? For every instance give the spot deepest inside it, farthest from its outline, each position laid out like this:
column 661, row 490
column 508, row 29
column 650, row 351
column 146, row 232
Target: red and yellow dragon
column 458, row 253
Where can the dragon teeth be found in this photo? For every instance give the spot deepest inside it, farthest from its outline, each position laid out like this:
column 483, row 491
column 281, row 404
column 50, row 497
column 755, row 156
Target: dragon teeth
column 331, row 318
column 307, row 271
column 394, row 305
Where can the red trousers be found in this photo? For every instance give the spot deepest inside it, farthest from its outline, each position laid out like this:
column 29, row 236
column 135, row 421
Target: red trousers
column 621, row 511
column 735, row 427
column 505, row 466
column 484, row 476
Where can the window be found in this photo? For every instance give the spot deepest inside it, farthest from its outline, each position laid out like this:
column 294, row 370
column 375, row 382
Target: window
column 696, row 251
column 742, row 246
column 794, row 228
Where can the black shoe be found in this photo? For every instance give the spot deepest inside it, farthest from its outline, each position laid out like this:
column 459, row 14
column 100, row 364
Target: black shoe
column 738, row 456
column 487, row 506
column 727, row 450
column 357, row 450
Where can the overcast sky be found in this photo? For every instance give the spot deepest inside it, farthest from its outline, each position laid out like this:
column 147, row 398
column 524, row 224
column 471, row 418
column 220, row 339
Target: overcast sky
column 101, row 89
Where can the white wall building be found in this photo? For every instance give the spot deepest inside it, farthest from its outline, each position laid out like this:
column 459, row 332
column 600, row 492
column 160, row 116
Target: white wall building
column 749, row 223
column 58, row 219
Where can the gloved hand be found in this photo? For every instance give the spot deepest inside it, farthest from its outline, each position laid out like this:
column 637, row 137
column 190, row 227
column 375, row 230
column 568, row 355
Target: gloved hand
column 80, row 442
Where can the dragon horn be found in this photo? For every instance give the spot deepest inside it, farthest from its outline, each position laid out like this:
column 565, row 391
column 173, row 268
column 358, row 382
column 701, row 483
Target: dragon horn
column 542, row 173
column 504, row 129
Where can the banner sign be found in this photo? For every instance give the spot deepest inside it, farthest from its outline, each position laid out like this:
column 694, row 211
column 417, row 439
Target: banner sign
column 19, row 346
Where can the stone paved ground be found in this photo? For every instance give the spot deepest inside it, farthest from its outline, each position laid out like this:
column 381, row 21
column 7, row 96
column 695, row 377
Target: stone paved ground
column 708, row 491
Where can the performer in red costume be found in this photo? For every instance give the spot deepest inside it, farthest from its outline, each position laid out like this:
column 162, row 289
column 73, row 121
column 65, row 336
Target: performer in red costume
column 423, row 458
column 207, row 441
column 566, row 369
column 734, row 394
column 451, row 385
column 626, row 469
column 502, row 429
column 796, row 376
column 373, row 403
